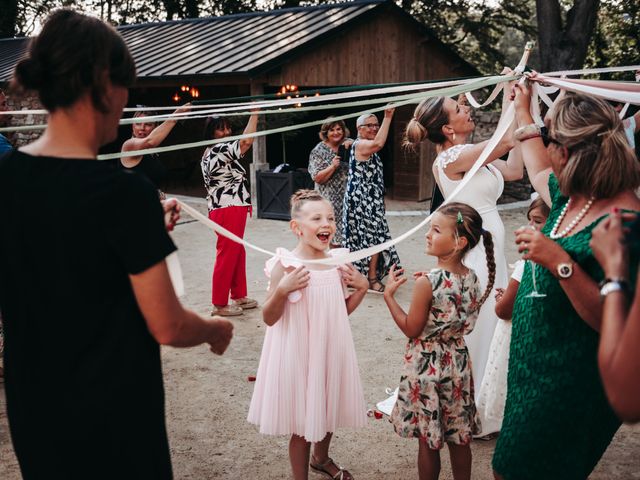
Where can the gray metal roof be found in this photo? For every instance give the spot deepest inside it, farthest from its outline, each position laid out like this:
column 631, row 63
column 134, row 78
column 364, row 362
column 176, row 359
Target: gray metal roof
column 231, row 44
column 11, row 50
column 234, row 44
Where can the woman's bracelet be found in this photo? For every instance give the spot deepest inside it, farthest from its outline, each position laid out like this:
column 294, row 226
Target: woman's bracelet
column 526, row 132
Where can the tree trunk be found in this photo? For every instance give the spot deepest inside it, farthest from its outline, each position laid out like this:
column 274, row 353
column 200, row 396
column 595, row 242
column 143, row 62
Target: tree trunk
column 191, row 8
column 8, row 18
column 290, row 3
column 172, row 8
column 565, row 46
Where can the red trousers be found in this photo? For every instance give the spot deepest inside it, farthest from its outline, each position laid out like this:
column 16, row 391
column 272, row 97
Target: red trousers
column 229, row 269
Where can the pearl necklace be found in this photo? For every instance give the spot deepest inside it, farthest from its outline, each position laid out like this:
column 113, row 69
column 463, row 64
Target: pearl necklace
column 554, row 231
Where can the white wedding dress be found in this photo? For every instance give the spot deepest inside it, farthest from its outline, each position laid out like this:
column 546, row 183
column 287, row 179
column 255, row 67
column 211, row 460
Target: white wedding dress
column 482, row 193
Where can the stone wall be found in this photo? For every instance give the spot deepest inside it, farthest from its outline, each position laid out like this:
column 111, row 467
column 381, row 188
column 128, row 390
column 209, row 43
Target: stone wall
column 28, row 101
column 486, row 122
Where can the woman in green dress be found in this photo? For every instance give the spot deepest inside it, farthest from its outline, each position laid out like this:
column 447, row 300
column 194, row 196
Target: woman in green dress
column 557, row 421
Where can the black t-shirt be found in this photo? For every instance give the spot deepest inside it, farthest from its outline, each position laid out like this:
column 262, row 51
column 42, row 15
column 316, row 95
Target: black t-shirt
column 82, row 372
column 152, row 167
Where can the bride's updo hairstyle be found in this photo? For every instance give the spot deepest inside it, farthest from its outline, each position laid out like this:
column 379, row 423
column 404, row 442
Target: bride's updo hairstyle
column 428, row 119
column 73, row 55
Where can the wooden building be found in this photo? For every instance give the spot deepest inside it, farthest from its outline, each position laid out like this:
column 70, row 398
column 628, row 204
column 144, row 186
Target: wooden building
column 355, row 43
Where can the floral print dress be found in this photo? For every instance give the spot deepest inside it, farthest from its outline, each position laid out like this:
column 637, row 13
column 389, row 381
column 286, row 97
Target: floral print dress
column 363, row 218
column 333, row 189
column 436, row 396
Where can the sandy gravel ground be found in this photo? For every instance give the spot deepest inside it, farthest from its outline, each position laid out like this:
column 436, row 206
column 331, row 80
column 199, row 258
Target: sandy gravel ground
column 207, row 397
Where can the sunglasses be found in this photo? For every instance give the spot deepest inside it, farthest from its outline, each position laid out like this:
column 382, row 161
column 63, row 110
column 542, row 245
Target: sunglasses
column 370, row 125
column 548, row 139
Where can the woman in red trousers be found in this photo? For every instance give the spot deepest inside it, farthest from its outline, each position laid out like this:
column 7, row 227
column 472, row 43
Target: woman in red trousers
column 229, row 202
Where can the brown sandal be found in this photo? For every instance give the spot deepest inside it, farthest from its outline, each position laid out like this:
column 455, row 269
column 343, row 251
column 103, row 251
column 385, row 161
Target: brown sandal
column 372, row 283
column 320, row 468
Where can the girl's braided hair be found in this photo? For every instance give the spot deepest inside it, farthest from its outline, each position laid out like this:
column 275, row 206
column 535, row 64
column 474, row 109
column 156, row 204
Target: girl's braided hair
column 468, row 224
column 299, row 198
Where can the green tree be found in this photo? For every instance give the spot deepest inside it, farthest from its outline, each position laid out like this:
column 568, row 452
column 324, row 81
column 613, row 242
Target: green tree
column 616, row 40
column 228, row 7
column 8, row 18
column 475, row 28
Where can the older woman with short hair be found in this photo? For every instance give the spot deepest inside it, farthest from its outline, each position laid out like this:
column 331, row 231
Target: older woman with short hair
column 557, row 421
column 329, row 170
column 364, row 222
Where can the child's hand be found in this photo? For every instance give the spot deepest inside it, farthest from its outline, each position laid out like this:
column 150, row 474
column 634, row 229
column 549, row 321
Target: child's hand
column 499, row 294
column 293, row 280
column 353, row 278
column 394, row 281
column 417, row 275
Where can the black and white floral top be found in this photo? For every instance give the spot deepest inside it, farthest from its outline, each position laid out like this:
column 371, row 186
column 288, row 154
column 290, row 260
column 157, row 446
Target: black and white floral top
column 224, row 177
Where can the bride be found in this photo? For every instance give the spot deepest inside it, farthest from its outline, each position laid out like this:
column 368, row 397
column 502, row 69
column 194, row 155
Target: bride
column 449, row 125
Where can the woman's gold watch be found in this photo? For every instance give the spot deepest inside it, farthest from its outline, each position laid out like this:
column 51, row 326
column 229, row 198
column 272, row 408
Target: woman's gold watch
column 564, row 270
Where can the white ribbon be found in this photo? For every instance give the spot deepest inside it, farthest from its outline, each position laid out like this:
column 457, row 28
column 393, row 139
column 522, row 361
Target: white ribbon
column 503, row 126
column 283, row 102
column 607, row 93
column 522, row 64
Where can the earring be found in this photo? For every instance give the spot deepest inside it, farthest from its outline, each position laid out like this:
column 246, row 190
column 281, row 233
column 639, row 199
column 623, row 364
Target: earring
column 454, row 136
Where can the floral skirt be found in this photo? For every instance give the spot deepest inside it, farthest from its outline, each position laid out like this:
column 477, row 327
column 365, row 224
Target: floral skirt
column 436, row 396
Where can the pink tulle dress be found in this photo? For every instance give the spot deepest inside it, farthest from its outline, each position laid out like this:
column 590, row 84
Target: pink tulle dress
column 308, row 382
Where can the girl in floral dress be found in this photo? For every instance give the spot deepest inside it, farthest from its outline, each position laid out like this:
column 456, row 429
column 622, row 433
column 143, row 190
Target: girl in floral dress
column 436, row 395
column 308, row 382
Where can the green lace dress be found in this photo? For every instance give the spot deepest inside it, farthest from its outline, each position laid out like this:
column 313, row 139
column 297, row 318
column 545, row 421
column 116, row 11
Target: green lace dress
column 557, row 422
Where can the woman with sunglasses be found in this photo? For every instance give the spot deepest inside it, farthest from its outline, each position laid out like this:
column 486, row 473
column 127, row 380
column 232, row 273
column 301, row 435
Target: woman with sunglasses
column 363, row 221
column 449, row 125
column 557, row 421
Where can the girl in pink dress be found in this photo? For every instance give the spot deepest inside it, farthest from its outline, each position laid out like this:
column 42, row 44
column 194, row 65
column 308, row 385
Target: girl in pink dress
column 308, row 383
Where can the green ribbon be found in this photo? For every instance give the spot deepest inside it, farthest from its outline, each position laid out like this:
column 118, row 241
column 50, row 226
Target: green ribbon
column 325, row 91
column 413, row 98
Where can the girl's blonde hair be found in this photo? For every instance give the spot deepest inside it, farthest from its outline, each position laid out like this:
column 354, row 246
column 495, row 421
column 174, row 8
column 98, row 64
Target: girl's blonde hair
column 468, row 224
column 601, row 163
column 300, row 197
